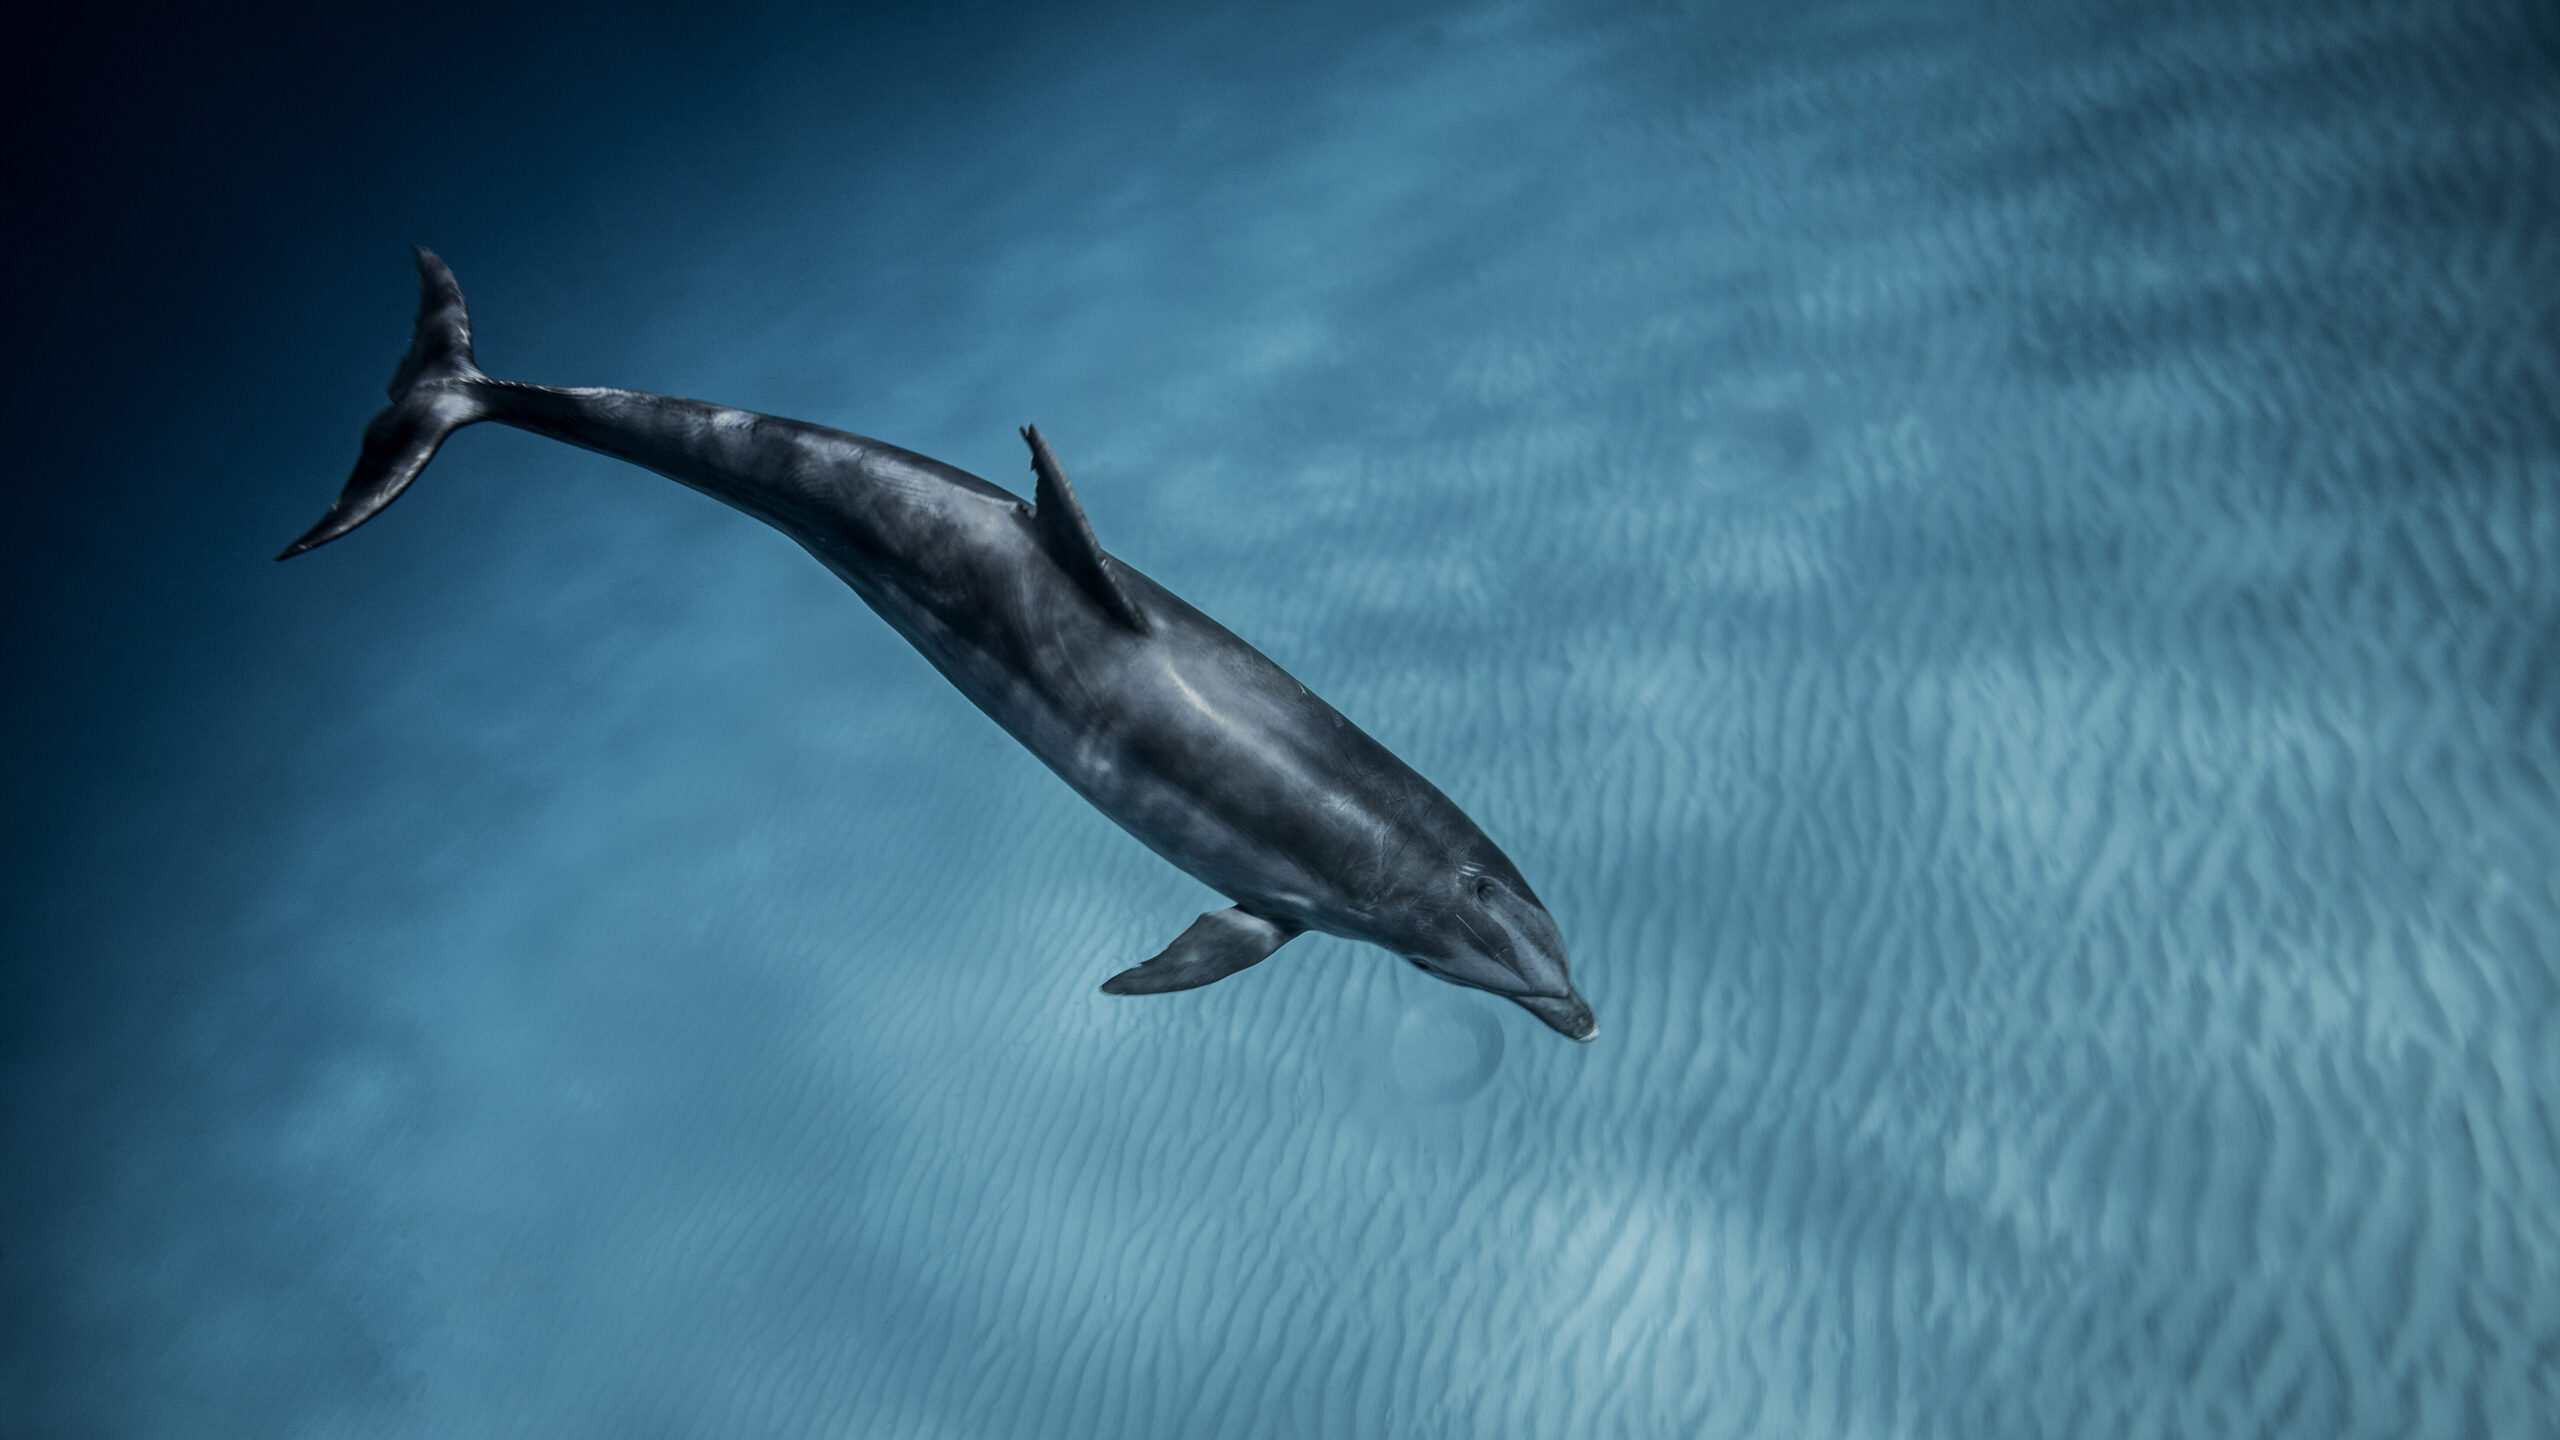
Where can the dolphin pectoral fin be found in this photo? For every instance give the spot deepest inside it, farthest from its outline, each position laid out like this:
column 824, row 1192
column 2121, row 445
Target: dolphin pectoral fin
column 1068, row 537
column 1216, row 946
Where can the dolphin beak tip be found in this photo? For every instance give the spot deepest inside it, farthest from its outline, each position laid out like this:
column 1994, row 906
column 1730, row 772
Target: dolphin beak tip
column 1567, row 1015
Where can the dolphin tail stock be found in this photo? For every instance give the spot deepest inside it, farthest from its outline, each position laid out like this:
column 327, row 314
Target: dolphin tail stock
column 435, row 392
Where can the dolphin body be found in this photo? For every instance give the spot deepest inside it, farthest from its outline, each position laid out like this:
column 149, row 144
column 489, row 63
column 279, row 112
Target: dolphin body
column 1187, row 737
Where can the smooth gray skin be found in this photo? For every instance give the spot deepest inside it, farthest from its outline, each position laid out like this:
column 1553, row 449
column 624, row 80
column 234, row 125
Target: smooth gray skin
column 1184, row 735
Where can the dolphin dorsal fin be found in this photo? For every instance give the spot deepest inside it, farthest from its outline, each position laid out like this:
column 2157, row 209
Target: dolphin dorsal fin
column 1069, row 535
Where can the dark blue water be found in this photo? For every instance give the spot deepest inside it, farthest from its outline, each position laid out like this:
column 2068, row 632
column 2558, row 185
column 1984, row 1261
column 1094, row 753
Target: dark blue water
column 1997, row 565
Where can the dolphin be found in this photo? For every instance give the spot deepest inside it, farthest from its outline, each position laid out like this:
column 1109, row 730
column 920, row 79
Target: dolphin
column 1187, row 737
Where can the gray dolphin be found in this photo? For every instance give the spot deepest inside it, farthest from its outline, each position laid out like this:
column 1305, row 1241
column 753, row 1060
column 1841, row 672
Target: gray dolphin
column 1184, row 735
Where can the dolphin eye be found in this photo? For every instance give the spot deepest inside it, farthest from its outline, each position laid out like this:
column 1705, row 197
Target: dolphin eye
column 1485, row 891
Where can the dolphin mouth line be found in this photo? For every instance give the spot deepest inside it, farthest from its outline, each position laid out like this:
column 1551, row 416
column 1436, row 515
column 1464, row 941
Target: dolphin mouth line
column 1568, row 1015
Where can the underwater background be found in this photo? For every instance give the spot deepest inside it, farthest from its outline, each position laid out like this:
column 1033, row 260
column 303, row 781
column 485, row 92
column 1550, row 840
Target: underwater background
column 1997, row 565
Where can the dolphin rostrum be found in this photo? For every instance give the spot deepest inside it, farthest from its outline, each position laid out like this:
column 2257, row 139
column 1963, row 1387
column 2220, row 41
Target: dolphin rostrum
column 1184, row 735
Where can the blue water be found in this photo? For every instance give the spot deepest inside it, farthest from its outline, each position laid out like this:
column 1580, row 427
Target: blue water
column 1997, row 565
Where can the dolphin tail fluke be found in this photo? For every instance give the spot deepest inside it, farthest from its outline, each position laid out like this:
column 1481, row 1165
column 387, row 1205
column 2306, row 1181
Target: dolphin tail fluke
column 435, row 392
